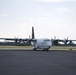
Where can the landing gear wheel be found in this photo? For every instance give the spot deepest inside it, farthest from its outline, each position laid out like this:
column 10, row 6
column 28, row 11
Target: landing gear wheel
column 43, row 49
column 34, row 49
column 47, row 49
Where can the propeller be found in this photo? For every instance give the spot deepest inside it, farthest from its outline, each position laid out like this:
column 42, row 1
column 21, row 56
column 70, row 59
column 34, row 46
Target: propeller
column 65, row 40
column 16, row 39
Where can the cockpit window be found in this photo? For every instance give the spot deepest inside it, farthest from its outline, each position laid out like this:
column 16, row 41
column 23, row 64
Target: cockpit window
column 46, row 40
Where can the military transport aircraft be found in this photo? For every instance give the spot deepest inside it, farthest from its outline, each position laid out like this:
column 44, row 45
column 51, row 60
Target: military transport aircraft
column 44, row 44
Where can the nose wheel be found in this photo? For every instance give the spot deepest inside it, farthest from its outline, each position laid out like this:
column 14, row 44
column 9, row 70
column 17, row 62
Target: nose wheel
column 34, row 49
column 45, row 49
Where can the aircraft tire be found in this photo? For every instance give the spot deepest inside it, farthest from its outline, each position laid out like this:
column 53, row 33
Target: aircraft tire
column 47, row 49
column 43, row 49
column 34, row 49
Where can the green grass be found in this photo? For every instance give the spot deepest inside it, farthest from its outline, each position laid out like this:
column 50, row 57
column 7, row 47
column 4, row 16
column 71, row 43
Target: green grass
column 30, row 47
column 63, row 48
column 15, row 47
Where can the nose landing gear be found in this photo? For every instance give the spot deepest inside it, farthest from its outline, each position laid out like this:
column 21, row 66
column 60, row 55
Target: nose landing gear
column 45, row 49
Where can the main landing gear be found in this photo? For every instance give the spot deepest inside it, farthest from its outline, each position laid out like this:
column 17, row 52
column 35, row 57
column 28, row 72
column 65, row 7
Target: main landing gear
column 45, row 49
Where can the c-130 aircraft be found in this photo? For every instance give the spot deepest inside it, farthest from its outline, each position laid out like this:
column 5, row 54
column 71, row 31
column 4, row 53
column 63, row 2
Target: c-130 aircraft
column 44, row 44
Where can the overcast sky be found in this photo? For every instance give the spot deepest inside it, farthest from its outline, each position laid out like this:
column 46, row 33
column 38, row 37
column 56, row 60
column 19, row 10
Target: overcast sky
column 49, row 17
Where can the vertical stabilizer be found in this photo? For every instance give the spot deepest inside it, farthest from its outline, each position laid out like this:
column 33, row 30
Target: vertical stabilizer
column 33, row 36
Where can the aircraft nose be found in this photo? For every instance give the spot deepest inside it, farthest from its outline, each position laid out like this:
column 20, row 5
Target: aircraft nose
column 49, row 44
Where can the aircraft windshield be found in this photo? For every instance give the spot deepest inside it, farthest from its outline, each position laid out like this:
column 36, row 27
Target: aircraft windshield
column 46, row 40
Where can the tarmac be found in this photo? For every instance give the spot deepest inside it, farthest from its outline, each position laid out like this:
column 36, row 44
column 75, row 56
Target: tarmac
column 28, row 62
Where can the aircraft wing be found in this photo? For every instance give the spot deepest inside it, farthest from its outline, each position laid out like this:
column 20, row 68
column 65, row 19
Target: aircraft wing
column 67, row 40
column 13, row 39
column 7, row 38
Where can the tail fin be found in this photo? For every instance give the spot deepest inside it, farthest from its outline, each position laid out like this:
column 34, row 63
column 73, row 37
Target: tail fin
column 33, row 36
